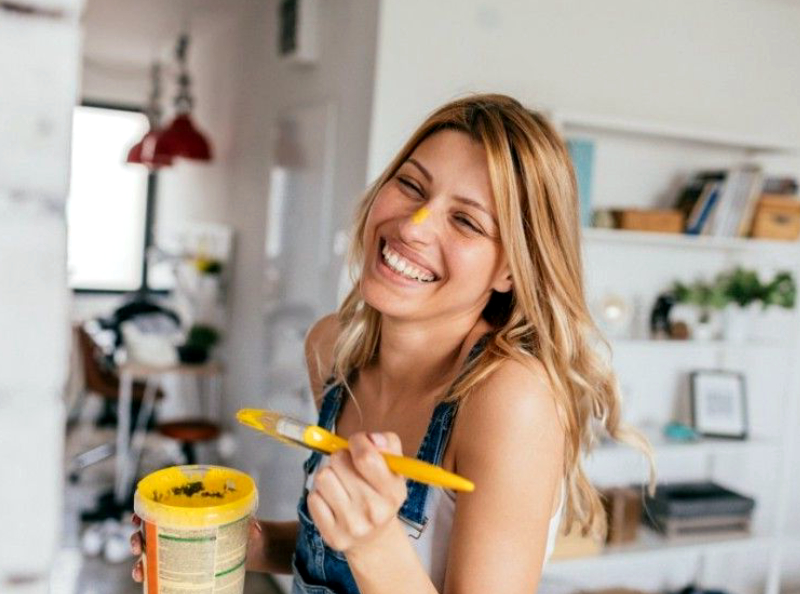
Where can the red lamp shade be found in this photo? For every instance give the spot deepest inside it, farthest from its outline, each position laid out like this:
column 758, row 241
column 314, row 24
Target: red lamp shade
column 138, row 152
column 180, row 139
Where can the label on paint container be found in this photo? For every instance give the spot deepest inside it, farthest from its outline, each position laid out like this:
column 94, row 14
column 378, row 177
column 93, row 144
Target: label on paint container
column 199, row 560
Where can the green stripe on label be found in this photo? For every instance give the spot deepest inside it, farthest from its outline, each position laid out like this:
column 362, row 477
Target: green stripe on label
column 191, row 539
column 232, row 569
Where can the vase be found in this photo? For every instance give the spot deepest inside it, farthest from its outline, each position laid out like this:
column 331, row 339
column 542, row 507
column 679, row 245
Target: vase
column 739, row 322
column 703, row 325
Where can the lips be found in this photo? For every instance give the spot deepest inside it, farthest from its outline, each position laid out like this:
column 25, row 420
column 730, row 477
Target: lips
column 413, row 258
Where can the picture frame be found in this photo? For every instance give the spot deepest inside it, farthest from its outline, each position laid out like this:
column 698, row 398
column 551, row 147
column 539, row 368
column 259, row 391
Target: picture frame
column 719, row 404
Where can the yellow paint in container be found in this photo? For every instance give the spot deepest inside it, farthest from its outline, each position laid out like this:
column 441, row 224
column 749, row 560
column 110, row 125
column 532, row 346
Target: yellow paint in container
column 196, row 520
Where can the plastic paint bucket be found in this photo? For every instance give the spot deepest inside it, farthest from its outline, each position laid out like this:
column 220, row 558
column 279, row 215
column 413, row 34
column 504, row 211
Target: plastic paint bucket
column 196, row 520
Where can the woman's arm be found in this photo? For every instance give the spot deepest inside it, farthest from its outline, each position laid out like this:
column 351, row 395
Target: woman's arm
column 513, row 449
column 270, row 546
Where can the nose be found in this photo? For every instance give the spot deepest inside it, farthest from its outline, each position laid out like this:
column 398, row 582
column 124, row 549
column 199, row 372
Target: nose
column 418, row 226
column 420, row 215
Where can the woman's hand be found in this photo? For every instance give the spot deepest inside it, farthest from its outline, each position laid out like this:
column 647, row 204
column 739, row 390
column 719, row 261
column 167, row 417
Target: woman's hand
column 356, row 497
column 137, row 548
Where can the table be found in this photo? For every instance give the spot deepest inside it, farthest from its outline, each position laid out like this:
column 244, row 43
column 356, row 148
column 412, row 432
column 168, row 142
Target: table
column 129, row 446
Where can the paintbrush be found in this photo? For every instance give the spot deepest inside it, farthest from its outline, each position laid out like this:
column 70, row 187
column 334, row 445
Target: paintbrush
column 297, row 433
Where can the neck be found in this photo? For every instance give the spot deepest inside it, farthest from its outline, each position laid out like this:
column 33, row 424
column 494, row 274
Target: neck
column 417, row 361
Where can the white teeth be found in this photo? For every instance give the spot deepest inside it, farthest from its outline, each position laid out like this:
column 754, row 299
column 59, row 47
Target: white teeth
column 403, row 266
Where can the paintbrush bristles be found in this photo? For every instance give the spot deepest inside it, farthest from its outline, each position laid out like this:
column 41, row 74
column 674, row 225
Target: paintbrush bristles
column 265, row 421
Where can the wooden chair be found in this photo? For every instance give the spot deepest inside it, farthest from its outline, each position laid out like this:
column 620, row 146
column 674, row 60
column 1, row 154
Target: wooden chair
column 103, row 382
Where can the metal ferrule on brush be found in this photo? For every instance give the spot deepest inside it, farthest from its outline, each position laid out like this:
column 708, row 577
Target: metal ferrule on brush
column 290, row 428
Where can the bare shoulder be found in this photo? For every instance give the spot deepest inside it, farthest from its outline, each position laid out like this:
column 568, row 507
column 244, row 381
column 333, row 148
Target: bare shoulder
column 509, row 441
column 319, row 343
column 516, row 399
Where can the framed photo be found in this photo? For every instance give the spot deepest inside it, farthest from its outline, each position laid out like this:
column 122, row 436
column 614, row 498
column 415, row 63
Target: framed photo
column 719, row 404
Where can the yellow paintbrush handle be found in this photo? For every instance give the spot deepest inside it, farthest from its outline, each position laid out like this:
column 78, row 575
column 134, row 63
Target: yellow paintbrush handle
column 323, row 440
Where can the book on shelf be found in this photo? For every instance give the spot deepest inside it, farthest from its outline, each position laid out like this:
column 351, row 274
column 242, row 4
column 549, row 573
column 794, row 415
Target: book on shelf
column 582, row 153
column 721, row 203
column 703, row 207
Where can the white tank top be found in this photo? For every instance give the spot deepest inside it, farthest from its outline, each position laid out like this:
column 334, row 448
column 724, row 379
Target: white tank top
column 433, row 543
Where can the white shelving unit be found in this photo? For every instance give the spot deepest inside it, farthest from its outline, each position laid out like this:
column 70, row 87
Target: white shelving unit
column 642, row 164
column 692, row 242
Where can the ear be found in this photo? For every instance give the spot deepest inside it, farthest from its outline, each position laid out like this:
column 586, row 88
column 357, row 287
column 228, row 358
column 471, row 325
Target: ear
column 503, row 282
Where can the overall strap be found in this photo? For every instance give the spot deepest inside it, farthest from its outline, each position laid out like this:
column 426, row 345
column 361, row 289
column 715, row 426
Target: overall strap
column 432, row 449
column 328, row 412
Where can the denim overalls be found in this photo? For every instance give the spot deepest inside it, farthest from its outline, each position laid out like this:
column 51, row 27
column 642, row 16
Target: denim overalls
column 319, row 569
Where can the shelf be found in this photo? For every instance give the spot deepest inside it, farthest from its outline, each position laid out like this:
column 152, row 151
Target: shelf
column 716, row 344
column 683, row 241
column 703, row 446
column 650, row 544
column 678, row 134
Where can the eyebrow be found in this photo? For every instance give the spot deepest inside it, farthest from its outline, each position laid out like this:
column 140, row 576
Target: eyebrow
column 461, row 199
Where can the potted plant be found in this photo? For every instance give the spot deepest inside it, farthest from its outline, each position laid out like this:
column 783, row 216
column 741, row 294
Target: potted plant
column 705, row 298
column 199, row 342
column 745, row 292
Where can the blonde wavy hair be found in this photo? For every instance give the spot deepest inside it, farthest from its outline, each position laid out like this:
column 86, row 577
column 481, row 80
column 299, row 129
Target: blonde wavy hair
column 545, row 314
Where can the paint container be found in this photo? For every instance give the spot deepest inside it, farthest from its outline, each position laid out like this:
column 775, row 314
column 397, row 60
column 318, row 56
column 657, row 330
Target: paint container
column 195, row 523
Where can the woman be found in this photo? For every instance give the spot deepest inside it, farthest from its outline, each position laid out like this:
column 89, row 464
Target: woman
column 466, row 341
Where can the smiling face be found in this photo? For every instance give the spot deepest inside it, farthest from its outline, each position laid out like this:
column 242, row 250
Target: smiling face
column 443, row 261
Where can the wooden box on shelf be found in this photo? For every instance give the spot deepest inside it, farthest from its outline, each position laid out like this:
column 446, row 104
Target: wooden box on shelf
column 660, row 221
column 777, row 217
column 623, row 507
column 575, row 544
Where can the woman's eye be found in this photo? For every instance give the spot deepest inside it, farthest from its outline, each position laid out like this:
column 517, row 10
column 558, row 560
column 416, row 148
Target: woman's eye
column 466, row 222
column 410, row 185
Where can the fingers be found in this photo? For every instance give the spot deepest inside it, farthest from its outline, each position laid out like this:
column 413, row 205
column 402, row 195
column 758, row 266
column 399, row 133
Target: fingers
column 138, row 571
column 372, row 467
column 136, row 543
column 137, row 548
column 330, row 483
column 323, row 518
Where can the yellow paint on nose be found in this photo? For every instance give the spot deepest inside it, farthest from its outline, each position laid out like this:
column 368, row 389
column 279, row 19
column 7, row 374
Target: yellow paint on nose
column 420, row 215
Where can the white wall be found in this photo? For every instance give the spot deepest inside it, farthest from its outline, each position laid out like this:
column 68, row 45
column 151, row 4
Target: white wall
column 122, row 41
column 342, row 78
column 39, row 64
column 730, row 67
column 266, row 87
column 241, row 88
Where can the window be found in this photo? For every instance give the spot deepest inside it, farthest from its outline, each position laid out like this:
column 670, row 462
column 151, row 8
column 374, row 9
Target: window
column 107, row 211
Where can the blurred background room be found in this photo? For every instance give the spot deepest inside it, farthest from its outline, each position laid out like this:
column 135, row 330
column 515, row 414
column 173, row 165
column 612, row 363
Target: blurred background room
column 177, row 181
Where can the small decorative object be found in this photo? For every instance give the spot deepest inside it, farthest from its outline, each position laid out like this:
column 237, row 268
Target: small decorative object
column 679, row 433
column 705, row 298
column 198, row 344
column 206, row 265
column 614, row 314
column 659, row 317
column 744, row 291
column 603, row 218
column 718, row 404
column 623, row 508
column 660, row 221
column 574, row 545
column 777, row 217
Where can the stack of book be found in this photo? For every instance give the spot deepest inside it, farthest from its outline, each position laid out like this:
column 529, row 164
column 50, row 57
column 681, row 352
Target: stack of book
column 704, row 507
column 721, row 203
